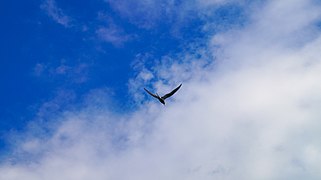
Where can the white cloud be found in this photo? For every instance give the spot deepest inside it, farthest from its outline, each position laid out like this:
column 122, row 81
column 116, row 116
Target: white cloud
column 77, row 73
column 150, row 13
column 113, row 35
column 254, row 113
column 144, row 13
column 56, row 13
column 111, row 32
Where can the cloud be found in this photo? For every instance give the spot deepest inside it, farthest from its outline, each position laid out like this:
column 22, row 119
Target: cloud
column 56, row 13
column 113, row 35
column 77, row 73
column 252, row 113
column 111, row 32
column 149, row 14
column 143, row 13
column 38, row 69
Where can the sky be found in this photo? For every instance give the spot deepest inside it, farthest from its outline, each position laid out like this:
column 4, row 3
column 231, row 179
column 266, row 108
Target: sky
column 73, row 104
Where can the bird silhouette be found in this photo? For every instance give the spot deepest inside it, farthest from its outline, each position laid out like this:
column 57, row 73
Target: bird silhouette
column 162, row 99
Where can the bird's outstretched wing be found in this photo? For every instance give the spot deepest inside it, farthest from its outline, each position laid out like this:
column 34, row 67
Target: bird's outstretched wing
column 171, row 93
column 151, row 93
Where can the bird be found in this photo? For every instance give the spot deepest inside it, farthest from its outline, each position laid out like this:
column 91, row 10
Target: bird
column 162, row 99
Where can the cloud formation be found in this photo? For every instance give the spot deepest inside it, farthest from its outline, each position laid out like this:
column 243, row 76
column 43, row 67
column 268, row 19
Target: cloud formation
column 56, row 13
column 73, row 73
column 252, row 113
column 110, row 32
column 144, row 13
column 149, row 14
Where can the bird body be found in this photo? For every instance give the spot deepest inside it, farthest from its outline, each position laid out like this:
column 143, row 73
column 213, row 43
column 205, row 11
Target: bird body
column 162, row 99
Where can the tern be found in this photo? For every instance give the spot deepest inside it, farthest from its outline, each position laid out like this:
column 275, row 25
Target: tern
column 162, row 99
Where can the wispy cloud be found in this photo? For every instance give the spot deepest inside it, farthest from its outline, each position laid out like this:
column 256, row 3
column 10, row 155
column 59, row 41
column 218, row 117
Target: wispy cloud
column 143, row 13
column 74, row 73
column 56, row 13
column 253, row 113
column 111, row 32
column 113, row 35
column 149, row 14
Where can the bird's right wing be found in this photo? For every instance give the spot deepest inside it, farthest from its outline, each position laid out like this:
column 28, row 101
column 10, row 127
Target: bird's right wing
column 151, row 93
column 171, row 93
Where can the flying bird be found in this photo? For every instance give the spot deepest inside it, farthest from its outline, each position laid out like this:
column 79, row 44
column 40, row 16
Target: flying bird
column 162, row 99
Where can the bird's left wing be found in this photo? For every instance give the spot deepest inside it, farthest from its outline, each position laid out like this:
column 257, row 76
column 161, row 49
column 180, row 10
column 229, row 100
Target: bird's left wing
column 171, row 93
column 151, row 93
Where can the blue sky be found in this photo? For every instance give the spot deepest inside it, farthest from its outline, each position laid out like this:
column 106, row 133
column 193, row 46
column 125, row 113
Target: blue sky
column 35, row 45
column 72, row 98
column 51, row 48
